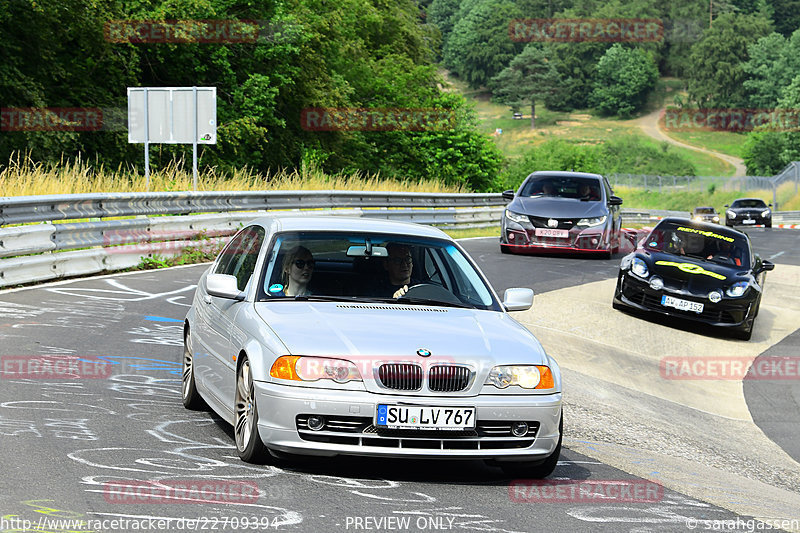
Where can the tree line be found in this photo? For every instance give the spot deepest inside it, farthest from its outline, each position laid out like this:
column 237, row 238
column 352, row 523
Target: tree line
column 731, row 54
column 308, row 54
column 384, row 54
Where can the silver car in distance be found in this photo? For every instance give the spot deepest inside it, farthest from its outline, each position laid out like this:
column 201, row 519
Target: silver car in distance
column 325, row 335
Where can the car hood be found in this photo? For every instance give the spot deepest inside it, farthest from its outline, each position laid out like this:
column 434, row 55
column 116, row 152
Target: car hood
column 544, row 206
column 392, row 332
column 749, row 210
column 692, row 274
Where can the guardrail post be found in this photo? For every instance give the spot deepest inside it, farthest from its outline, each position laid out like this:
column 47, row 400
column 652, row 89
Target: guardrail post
column 774, row 196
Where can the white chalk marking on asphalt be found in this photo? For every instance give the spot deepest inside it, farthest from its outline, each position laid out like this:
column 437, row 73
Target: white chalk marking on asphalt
column 770, row 258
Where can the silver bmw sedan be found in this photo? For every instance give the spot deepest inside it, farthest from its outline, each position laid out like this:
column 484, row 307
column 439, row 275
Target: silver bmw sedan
column 325, row 335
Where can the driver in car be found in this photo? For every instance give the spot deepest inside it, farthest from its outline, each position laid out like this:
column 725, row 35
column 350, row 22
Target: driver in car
column 398, row 266
column 725, row 252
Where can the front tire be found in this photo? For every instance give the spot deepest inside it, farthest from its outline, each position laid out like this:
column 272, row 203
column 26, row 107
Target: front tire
column 191, row 398
column 248, row 442
column 538, row 469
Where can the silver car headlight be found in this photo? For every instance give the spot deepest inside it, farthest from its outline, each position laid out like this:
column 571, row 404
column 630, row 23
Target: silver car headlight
column 525, row 376
column 765, row 213
column 731, row 214
column 589, row 222
column 300, row 368
column 639, row 267
column 715, row 219
column 737, row 289
column 516, row 217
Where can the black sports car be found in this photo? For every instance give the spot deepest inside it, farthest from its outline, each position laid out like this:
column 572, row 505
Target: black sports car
column 695, row 270
column 748, row 212
column 562, row 212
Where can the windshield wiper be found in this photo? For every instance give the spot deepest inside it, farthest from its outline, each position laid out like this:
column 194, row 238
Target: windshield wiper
column 428, row 301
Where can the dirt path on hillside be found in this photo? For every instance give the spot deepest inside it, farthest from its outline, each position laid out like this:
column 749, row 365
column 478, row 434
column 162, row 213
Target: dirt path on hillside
column 650, row 126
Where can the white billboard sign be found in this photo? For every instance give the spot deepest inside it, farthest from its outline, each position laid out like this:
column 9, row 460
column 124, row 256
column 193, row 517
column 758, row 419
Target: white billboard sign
column 172, row 115
column 169, row 115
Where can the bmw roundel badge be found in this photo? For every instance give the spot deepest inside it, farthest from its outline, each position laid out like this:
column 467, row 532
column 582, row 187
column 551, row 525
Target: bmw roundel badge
column 422, row 352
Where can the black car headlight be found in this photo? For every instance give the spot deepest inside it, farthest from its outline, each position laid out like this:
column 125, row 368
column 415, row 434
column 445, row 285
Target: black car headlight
column 516, row 217
column 639, row 267
column 765, row 213
column 590, row 222
column 737, row 289
column 730, row 214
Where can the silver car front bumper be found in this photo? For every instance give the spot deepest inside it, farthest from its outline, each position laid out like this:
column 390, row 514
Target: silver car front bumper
column 350, row 429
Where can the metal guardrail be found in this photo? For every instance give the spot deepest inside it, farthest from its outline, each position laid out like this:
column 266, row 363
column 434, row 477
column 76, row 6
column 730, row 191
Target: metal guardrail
column 42, row 250
column 26, row 209
column 45, row 248
column 786, row 216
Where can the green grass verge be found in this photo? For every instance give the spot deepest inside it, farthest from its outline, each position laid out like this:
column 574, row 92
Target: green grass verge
column 582, row 127
column 718, row 141
column 635, row 198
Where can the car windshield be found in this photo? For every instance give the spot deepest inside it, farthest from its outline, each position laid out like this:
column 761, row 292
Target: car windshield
column 587, row 189
column 716, row 246
column 704, row 211
column 749, row 203
column 372, row 267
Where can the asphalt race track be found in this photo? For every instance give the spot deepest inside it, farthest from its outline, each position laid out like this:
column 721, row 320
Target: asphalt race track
column 722, row 449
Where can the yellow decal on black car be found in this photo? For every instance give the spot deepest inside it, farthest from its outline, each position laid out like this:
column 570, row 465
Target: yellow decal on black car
column 705, row 233
column 691, row 268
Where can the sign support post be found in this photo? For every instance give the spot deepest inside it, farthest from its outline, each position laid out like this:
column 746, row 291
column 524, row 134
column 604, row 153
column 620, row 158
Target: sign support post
column 146, row 142
column 194, row 139
column 172, row 115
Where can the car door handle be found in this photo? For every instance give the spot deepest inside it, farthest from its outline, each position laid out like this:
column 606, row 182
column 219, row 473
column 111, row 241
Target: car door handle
column 207, row 299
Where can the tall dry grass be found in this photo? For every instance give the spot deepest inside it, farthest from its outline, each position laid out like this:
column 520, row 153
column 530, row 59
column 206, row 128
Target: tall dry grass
column 25, row 177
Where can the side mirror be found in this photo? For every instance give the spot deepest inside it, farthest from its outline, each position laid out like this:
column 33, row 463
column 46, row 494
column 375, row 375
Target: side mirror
column 770, row 205
column 518, row 299
column 766, row 266
column 223, row 286
column 508, row 195
column 614, row 200
column 726, row 205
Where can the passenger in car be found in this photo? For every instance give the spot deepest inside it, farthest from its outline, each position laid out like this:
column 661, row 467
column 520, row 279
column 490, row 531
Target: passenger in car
column 588, row 191
column 298, row 267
